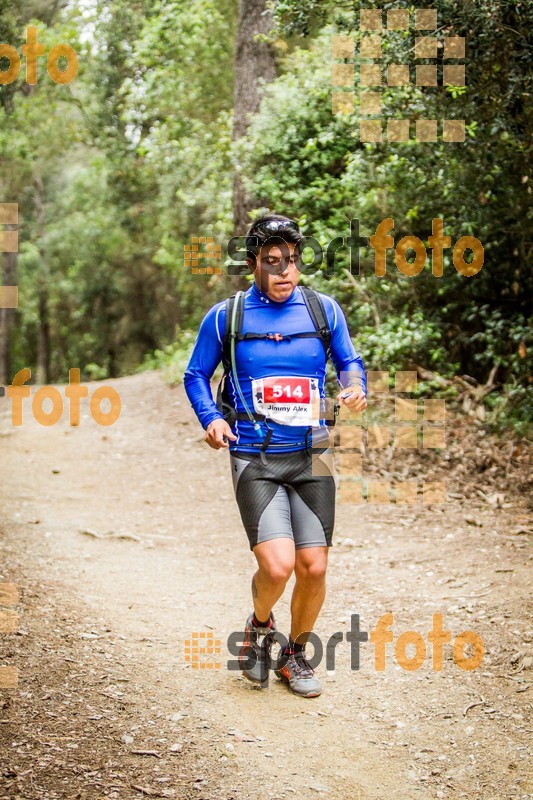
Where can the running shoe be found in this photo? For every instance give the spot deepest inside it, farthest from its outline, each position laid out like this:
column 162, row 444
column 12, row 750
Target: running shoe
column 254, row 657
column 297, row 672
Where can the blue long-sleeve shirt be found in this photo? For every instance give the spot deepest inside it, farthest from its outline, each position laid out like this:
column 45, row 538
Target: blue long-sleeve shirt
column 279, row 377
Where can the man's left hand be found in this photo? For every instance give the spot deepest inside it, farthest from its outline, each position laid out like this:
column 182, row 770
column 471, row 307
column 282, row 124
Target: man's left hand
column 355, row 400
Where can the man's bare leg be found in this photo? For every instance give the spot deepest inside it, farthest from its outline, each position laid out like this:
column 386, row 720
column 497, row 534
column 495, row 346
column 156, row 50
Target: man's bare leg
column 307, row 599
column 309, row 590
column 276, row 560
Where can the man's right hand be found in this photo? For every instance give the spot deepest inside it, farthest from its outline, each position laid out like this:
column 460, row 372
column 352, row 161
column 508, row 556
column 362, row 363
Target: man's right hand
column 218, row 433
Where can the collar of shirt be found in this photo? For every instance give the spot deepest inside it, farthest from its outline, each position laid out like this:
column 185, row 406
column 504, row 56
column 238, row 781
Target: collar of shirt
column 257, row 294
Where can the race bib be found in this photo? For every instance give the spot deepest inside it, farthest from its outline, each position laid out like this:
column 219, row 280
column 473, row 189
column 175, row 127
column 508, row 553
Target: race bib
column 287, row 400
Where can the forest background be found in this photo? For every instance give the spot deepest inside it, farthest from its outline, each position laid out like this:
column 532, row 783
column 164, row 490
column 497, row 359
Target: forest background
column 187, row 119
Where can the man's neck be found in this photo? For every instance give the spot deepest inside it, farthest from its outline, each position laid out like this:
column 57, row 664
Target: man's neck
column 272, row 300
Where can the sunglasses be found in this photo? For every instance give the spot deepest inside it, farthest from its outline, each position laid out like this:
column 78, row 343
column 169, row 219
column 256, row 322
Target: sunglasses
column 273, row 226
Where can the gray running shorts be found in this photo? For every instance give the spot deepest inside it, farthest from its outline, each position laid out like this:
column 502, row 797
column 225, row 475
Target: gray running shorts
column 291, row 496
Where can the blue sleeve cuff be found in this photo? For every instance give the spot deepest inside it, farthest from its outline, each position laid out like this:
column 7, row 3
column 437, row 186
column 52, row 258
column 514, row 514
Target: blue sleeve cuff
column 209, row 419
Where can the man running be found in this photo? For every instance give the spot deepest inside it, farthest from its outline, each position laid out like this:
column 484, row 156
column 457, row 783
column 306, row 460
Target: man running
column 271, row 421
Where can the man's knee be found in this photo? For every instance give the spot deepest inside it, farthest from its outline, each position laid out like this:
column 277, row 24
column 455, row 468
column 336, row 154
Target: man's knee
column 277, row 572
column 312, row 570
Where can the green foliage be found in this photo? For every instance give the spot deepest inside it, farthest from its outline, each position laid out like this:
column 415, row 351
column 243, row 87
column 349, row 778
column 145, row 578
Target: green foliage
column 510, row 408
column 404, row 341
column 134, row 160
column 173, row 358
column 302, row 160
column 135, row 157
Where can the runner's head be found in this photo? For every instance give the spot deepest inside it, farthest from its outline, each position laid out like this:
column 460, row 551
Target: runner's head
column 273, row 253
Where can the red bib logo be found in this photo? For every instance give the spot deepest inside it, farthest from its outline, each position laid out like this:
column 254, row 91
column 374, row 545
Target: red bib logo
column 287, row 390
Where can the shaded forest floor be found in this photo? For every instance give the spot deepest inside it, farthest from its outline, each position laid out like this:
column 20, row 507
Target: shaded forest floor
column 124, row 541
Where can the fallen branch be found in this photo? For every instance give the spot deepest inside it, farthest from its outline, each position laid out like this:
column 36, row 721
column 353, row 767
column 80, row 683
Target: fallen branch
column 145, row 753
column 146, row 790
column 110, row 535
column 481, row 702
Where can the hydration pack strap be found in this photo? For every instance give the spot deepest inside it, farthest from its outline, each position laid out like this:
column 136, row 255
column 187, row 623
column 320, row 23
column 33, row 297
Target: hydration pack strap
column 279, row 336
column 235, row 327
column 318, row 315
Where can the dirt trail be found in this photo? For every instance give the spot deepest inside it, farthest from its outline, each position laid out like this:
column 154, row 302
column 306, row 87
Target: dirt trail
column 103, row 623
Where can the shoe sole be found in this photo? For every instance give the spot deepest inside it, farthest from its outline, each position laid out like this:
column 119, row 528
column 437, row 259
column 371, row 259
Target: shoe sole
column 262, row 684
column 298, row 694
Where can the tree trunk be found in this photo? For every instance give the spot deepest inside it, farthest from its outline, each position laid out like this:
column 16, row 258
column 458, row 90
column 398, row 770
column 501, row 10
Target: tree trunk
column 7, row 315
column 43, row 344
column 254, row 64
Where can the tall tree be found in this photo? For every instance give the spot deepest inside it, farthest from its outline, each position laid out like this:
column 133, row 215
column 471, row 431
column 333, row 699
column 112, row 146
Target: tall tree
column 8, row 265
column 254, row 65
column 25, row 145
column 7, row 314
